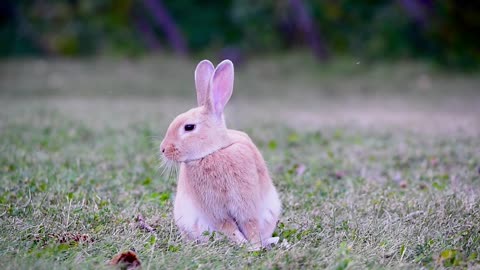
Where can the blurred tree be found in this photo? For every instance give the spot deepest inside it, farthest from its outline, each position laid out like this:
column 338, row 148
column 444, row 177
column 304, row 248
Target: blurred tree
column 163, row 19
column 147, row 33
column 311, row 34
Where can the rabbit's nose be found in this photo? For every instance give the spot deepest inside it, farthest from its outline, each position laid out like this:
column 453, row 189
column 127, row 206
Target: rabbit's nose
column 162, row 147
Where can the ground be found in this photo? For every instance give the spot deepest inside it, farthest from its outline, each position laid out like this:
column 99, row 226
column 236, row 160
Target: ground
column 377, row 165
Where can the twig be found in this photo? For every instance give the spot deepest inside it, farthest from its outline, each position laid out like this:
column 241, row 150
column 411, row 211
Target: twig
column 143, row 225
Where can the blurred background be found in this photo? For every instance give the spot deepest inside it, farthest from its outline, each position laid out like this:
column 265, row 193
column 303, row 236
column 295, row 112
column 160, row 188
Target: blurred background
column 444, row 32
column 368, row 61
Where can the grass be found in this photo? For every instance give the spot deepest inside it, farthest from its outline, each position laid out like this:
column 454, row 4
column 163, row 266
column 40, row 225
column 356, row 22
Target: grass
column 378, row 178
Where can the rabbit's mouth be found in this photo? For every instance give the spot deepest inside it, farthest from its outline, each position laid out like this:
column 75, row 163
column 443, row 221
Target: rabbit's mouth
column 172, row 153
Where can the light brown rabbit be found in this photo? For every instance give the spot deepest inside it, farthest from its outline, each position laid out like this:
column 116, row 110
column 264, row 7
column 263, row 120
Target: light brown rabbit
column 223, row 184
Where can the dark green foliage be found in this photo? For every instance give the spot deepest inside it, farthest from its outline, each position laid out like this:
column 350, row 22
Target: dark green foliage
column 443, row 31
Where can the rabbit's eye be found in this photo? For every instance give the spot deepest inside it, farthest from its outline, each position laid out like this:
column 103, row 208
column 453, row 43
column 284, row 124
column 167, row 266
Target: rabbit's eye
column 189, row 127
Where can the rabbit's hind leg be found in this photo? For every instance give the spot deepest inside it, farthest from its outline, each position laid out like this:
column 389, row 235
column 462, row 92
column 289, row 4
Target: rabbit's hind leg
column 251, row 230
column 269, row 218
column 229, row 227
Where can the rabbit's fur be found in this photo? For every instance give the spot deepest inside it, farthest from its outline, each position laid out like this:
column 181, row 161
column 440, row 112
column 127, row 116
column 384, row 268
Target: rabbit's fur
column 223, row 184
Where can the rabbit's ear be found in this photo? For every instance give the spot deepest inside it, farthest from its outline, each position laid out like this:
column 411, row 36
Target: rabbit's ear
column 203, row 74
column 221, row 86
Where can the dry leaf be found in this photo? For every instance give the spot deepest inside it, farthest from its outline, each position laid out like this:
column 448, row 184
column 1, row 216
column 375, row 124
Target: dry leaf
column 338, row 175
column 422, row 186
column 126, row 260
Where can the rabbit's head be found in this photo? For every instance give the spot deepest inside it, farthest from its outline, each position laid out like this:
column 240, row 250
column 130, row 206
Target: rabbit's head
column 201, row 130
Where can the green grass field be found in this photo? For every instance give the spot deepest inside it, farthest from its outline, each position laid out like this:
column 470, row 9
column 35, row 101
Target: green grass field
column 377, row 165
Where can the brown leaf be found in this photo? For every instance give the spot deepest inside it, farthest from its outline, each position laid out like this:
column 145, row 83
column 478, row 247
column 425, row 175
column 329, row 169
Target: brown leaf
column 422, row 186
column 338, row 175
column 126, row 260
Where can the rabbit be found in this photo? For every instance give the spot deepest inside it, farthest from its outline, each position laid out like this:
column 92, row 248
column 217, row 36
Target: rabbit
column 223, row 182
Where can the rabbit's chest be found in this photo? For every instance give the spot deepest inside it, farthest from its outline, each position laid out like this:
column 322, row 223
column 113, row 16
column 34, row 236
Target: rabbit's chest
column 213, row 179
column 220, row 180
